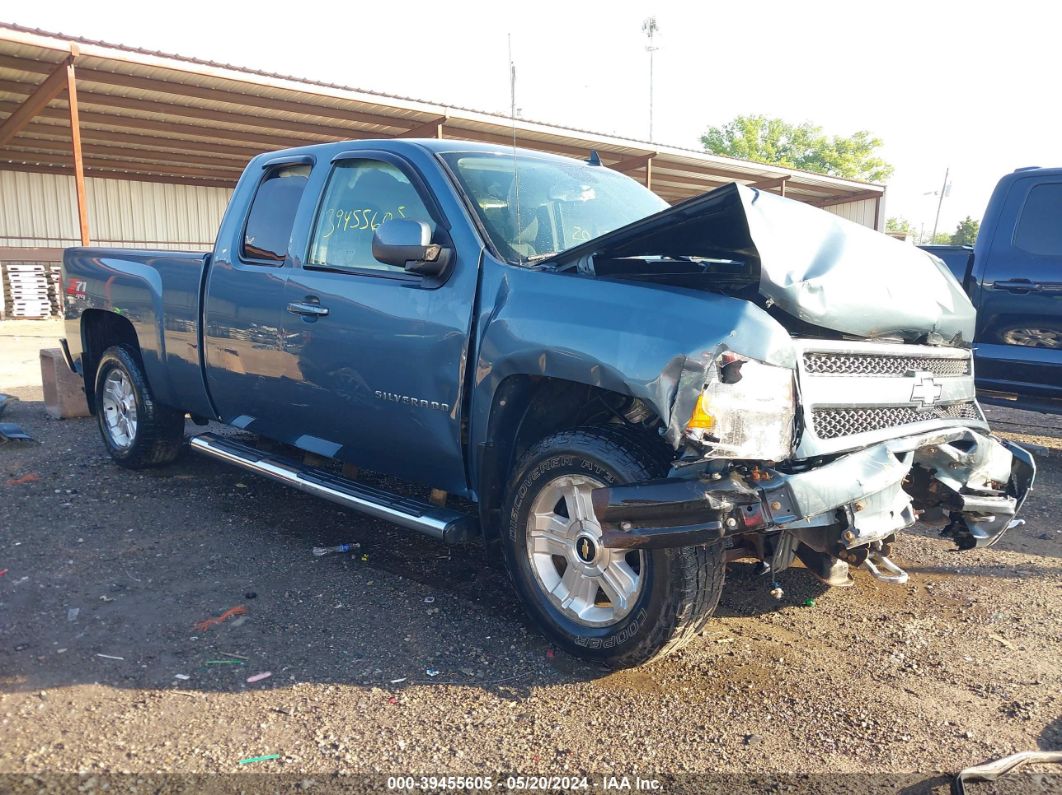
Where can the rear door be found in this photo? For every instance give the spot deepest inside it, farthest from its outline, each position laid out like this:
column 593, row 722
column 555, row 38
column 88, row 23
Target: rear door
column 1019, row 319
column 380, row 352
column 246, row 364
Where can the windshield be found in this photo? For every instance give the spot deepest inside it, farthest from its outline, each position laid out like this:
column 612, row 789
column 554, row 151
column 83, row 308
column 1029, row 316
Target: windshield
column 554, row 205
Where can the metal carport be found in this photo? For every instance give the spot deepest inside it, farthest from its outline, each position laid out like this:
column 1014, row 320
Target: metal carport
column 117, row 115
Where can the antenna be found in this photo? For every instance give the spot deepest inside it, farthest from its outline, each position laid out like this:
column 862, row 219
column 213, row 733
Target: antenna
column 512, row 116
column 650, row 29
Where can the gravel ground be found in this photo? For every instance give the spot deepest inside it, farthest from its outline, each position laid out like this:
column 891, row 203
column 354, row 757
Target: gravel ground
column 413, row 658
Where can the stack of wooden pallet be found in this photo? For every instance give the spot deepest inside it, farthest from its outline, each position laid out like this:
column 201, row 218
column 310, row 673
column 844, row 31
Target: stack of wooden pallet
column 31, row 290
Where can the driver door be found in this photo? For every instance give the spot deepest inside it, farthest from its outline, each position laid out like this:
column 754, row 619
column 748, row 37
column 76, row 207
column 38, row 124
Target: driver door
column 380, row 352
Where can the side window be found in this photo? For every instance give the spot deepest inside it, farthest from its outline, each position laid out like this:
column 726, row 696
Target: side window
column 361, row 195
column 1039, row 229
column 272, row 213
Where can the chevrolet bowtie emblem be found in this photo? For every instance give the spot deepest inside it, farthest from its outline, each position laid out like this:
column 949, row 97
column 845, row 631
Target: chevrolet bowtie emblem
column 926, row 391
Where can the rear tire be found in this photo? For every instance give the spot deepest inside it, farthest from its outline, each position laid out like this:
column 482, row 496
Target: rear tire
column 137, row 431
column 615, row 609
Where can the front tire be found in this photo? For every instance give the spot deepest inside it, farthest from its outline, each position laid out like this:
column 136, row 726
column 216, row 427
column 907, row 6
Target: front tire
column 612, row 607
column 137, row 431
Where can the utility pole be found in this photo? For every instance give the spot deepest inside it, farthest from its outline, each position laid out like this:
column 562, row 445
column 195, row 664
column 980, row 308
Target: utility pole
column 650, row 28
column 943, row 190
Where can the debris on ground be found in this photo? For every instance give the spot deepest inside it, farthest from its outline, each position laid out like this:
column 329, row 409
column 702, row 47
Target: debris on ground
column 354, row 546
column 22, row 480
column 809, row 603
column 230, row 654
column 429, row 600
column 71, row 614
column 224, row 662
column 238, row 610
column 12, row 432
column 5, row 400
column 432, row 672
column 396, row 681
column 265, row 758
column 990, row 771
column 110, row 657
column 260, row 677
column 182, row 677
column 250, row 595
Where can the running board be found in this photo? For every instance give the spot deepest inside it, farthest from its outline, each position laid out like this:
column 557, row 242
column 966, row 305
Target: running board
column 447, row 525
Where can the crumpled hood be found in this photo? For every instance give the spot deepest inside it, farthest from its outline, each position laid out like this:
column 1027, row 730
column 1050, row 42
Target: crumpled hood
column 812, row 264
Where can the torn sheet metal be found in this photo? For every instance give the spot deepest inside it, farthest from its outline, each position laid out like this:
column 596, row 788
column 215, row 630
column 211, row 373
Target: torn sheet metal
column 846, row 480
column 12, row 432
column 814, row 265
column 869, row 484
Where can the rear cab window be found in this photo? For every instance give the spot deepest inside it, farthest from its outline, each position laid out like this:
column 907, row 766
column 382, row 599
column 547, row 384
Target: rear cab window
column 272, row 214
column 1039, row 227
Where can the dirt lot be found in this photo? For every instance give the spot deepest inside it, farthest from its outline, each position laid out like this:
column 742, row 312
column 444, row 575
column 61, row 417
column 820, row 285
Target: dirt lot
column 413, row 658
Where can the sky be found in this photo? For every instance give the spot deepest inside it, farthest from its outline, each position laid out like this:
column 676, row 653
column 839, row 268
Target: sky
column 964, row 86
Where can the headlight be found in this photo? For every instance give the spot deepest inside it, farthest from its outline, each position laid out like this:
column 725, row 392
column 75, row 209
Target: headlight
column 746, row 410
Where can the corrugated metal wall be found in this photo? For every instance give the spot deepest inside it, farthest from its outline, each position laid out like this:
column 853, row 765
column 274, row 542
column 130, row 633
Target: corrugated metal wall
column 862, row 212
column 41, row 210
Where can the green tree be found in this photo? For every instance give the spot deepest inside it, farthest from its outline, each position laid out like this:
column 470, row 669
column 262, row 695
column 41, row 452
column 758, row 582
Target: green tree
column 899, row 224
column 941, row 239
column 804, row 146
column 965, row 232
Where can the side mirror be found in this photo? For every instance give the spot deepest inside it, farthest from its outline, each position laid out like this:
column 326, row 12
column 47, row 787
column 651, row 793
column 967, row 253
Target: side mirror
column 407, row 244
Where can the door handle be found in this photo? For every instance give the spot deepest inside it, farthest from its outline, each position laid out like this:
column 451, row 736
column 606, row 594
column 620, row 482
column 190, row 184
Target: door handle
column 307, row 309
column 1018, row 286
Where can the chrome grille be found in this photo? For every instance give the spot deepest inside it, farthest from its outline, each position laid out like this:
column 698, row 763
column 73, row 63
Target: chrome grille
column 834, row 423
column 874, row 364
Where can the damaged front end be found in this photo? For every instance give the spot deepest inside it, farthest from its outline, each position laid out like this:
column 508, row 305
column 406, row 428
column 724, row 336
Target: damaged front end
column 825, row 443
column 828, row 462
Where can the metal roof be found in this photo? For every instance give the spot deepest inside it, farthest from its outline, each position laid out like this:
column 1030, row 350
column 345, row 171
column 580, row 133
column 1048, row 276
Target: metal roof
column 167, row 118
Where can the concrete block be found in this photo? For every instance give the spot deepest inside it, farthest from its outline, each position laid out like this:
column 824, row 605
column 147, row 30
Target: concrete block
column 64, row 391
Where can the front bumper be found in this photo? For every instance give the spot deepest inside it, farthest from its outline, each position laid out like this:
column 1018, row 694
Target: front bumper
column 866, row 496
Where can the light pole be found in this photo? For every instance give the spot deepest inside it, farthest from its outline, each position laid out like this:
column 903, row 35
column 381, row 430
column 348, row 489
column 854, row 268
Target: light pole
column 944, row 190
column 650, row 28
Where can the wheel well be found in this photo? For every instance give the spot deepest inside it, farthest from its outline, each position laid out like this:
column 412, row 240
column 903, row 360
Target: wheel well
column 100, row 330
column 527, row 409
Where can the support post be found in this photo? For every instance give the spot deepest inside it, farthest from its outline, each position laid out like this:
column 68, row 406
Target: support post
column 75, row 142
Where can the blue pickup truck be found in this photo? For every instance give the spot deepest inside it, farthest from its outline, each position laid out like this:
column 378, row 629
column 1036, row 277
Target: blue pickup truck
column 1013, row 275
column 629, row 395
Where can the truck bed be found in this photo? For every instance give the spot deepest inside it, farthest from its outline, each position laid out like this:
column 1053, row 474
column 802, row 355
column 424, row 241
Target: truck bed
column 158, row 293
